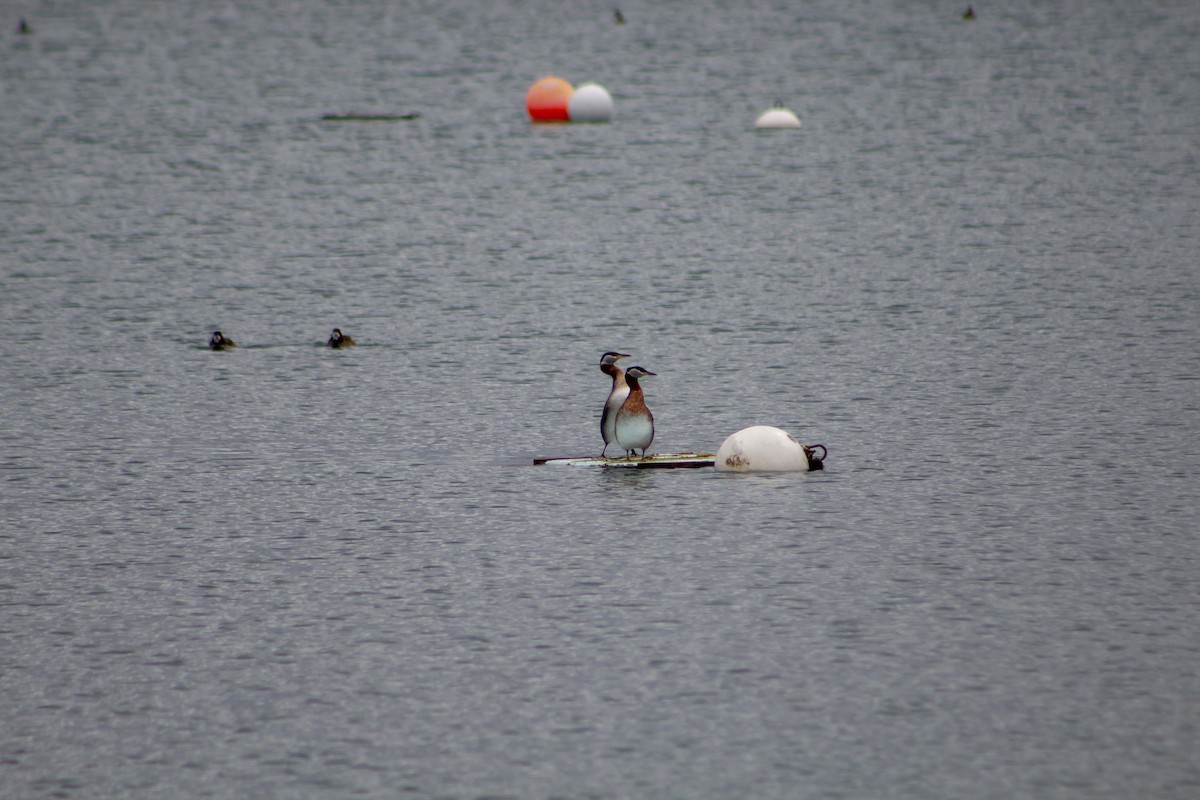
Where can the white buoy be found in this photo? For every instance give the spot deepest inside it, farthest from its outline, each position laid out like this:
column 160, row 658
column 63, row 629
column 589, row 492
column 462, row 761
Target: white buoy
column 590, row 103
column 777, row 117
column 762, row 448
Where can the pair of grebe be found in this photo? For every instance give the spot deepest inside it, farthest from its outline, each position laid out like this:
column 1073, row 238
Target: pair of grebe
column 626, row 420
column 336, row 339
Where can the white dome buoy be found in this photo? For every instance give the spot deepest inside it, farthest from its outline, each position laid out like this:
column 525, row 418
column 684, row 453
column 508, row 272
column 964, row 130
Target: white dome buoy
column 591, row 102
column 762, row 448
column 777, row 117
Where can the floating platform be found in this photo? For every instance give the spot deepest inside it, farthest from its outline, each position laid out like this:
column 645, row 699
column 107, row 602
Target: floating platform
column 369, row 117
column 652, row 461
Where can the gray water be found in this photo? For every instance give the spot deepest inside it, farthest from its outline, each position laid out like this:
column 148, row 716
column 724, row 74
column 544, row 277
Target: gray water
column 289, row 571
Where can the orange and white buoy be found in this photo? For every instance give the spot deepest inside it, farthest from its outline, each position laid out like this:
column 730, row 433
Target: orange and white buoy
column 546, row 100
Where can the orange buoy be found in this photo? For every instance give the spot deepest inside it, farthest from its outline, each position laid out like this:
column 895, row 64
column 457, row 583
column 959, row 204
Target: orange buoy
column 547, row 100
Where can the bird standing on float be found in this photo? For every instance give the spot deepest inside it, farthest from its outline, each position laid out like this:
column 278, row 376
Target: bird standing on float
column 616, row 396
column 635, row 424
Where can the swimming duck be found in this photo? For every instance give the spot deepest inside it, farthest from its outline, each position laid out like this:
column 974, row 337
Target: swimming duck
column 969, row 13
column 339, row 339
column 616, row 396
column 635, row 424
column 220, row 342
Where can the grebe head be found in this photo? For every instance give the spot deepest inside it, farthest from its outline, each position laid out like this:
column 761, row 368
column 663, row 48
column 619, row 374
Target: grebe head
column 339, row 339
column 217, row 340
column 611, row 357
column 637, row 372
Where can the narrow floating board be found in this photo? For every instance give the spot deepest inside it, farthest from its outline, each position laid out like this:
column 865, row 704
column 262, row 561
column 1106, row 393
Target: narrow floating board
column 652, row 461
column 369, row 117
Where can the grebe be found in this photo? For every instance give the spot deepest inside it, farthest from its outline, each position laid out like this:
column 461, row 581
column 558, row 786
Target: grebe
column 339, row 339
column 635, row 423
column 220, row 341
column 616, row 396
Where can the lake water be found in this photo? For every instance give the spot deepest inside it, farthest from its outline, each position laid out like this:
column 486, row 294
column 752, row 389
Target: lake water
column 290, row 571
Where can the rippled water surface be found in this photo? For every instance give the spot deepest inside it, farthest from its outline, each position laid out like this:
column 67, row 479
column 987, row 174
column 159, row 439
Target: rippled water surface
column 289, row 571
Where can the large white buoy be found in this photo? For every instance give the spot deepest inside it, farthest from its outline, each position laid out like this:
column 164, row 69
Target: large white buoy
column 762, row 448
column 591, row 102
column 777, row 117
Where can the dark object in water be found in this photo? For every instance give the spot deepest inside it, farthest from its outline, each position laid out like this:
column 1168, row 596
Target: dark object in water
column 969, row 13
column 23, row 27
column 369, row 117
column 220, row 342
column 339, row 339
column 815, row 461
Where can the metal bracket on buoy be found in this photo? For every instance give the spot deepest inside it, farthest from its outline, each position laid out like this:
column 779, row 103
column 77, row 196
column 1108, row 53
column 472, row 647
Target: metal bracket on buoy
column 815, row 461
